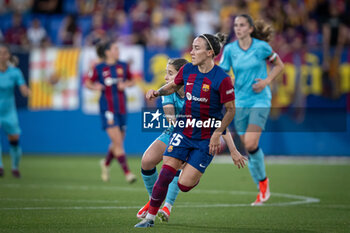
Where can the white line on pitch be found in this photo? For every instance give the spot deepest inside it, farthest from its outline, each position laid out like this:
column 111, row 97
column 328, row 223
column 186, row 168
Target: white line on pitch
column 299, row 200
column 71, row 208
column 58, row 200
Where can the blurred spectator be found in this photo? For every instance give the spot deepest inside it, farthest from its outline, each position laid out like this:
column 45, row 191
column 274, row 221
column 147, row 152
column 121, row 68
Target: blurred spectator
column 334, row 34
column 36, row 33
column 173, row 23
column 1, row 36
column 230, row 9
column 110, row 22
column 254, row 7
column 275, row 13
column 180, row 32
column 227, row 28
column 124, row 28
column 47, row 6
column 159, row 34
column 21, row 6
column 69, row 32
column 204, row 20
column 86, row 7
column 140, row 17
column 98, row 33
column 296, row 13
column 16, row 34
column 4, row 6
column 104, row 5
column 313, row 37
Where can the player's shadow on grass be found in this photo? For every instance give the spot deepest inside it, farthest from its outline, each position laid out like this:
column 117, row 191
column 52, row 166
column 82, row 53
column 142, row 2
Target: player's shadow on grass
column 194, row 228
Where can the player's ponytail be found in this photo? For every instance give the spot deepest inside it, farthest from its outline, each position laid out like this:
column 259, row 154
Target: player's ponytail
column 214, row 42
column 101, row 48
column 14, row 60
column 262, row 30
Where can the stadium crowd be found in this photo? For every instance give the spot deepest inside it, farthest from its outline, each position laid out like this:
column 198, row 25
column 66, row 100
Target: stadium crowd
column 169, row 23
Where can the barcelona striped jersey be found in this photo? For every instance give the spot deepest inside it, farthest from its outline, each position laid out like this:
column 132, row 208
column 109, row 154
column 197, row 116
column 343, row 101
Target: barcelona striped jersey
column 205, row 95
column 111, row 99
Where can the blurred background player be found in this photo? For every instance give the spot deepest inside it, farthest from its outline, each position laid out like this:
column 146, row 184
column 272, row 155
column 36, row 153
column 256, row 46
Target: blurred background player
column 172, row 105
column 10, row 76
column 111, row 77
column 247, row 57
column 193, row 145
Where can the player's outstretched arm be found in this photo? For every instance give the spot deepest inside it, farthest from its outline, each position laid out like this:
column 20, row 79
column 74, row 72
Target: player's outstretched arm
column 237, row 158
column 167, row 89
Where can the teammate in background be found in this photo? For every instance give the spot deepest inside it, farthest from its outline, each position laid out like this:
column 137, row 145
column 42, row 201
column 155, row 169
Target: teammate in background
column 247, row 57
column 207, row 89
column 111, row 77
column 10, row 76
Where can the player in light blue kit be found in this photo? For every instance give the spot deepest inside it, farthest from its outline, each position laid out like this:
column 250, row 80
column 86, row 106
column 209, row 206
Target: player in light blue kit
column 10, row 76
column 247, row 57
column 172, row 105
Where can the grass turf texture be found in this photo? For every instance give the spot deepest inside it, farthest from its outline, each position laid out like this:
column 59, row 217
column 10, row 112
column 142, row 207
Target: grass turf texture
column 65, row 194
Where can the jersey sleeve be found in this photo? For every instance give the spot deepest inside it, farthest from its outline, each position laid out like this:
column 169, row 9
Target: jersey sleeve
column 226, row 91
column 179, row 79
column 19, row 77
column 93, row 75
column 128, row 73
column 225, row 62
column 265, row 50
column 167, row 99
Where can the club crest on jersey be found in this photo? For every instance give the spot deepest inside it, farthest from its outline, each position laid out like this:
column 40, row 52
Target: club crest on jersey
column 120, row 71
column 205, row 87
column 170, row 148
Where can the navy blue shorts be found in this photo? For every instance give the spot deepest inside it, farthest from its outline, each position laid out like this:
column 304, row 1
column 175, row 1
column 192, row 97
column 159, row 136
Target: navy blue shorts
column 192, row 151
column 117, row 120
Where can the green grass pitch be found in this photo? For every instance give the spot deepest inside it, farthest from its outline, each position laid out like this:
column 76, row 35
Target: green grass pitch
column 65, row 194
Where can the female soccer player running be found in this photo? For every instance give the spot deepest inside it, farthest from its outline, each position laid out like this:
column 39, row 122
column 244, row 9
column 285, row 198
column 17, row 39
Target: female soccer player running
column 10, row 76
column 111, row 77
column 196, row 137
column 247, row 57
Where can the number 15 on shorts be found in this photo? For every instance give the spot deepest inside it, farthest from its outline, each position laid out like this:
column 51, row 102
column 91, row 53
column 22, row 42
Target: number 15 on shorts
column 176, row 139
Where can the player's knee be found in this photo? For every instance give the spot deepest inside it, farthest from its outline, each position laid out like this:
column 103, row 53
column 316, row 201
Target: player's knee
column 184, row 188
column 14, row 142
column 146, row 162
column 251, row 145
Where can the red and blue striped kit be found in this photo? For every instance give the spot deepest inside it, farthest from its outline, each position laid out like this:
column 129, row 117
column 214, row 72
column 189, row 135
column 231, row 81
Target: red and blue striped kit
column 111, row 100
column 205, row 95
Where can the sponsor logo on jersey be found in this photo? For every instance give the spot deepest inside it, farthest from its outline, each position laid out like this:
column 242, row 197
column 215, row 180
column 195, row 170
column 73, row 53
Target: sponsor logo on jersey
column 191, row 97
column 105, row 73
